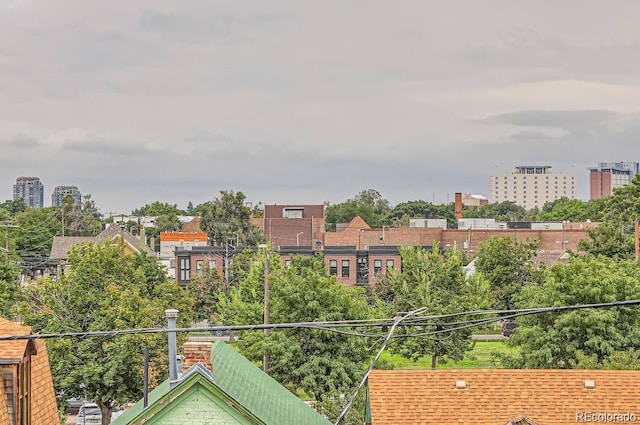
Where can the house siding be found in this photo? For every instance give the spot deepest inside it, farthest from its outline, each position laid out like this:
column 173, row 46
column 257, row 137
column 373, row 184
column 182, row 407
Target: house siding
column 198, row 409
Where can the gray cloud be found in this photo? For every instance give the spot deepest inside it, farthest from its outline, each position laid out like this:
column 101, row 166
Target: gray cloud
column 560, row 119
column 304, row 103
column 22, row 142
column 207, row 23
column 553, row 57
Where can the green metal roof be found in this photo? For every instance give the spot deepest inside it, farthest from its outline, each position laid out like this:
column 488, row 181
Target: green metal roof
column 196, row 396
column 258, row 392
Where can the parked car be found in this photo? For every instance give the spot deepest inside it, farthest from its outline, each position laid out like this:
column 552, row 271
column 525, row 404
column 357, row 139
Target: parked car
column 73, row 405
column 89, row 414
column 508, row 327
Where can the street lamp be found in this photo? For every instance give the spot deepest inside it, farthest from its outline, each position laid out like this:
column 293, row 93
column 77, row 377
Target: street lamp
column 298, row 238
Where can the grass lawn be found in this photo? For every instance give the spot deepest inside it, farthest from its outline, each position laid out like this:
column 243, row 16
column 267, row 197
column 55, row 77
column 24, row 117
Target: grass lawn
column 479, row 358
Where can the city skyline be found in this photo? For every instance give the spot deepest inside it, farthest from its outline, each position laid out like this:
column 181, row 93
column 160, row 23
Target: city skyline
column 311, row 102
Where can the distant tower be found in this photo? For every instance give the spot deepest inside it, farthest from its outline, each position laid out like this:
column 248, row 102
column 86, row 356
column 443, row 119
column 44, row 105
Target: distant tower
column 30, row 190
column 610, row 175
column 59, row 192
column 532, row 186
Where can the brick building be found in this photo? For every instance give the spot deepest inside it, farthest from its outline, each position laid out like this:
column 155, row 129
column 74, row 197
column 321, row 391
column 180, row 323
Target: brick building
column 358, row 254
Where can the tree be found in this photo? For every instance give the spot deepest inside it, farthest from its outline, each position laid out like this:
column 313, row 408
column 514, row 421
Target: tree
column 507, row 265
column 9, row 285
column 157, row 209
column 368, row 204
column 428, row 280
column 554, row 340
column 609, row 240
column 623, row 207
column 618, row 360
column 565, row 209
column 34, row 235
column 401, row 213
column 228, row 219
column 14, row 207
column 502, row 211
column 319, row 362
column 104, row 290
column 206, row 290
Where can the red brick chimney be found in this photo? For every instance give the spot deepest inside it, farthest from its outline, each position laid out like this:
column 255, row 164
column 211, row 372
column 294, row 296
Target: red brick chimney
column 197, row 352
column 458, row 206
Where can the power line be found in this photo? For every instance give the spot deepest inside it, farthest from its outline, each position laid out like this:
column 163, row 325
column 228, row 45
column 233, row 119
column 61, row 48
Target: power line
column 330, row 325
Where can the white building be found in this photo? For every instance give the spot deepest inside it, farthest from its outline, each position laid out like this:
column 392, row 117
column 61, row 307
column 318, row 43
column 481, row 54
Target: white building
column 532, row 186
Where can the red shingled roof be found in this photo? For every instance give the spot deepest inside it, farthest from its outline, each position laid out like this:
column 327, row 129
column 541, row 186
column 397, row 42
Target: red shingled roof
column 499, row 396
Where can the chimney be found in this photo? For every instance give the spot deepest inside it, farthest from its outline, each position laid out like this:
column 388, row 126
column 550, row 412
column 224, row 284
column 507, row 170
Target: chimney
column 458, row 205
column 172, row 315
column 197, row 352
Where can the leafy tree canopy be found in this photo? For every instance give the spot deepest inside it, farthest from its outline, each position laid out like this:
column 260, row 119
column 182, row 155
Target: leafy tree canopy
column 368, row 204
column 9, row 285
column 401, row 213
column 609, row 240
column 157, row 209
column 554, row 340
column 565, row 209
column 623, row 207
column 14, row 206
column 507, row 265
column 315, row 361
column 33, row 237
column 104, row 290
column 428, row 280
column 501, row 211
column 228, row 219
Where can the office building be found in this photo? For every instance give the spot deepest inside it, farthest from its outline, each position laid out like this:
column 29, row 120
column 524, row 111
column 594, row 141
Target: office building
column 532, row 186
column 31, row 190
column 610, row 175
column 59, row 192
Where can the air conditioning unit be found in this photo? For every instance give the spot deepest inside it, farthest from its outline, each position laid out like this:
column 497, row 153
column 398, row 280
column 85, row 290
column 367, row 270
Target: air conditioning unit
column 317, row 244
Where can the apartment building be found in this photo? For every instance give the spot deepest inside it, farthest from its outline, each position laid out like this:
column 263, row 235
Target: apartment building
column 610, row 175
column 59, row 193
column 31, row 190
column 532, row 186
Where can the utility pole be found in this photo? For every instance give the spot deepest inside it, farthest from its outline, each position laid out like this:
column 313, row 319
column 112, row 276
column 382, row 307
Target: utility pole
column 637, row 241
column 6, row 225
column 265, row 359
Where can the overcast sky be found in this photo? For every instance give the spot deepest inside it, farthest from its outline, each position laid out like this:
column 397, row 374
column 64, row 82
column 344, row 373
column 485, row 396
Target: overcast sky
column 301, row 102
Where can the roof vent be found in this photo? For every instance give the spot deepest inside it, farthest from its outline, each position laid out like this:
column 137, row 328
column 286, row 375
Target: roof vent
column 461, row 385
column 589, row 385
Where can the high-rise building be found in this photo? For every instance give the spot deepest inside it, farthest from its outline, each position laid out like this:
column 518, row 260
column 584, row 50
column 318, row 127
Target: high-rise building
column 610, row 175
column 532, row 186
column 30, row 190
column 59, row 192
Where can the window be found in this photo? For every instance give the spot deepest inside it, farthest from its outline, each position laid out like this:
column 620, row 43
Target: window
column 345, row 268
column 185, row 268
column 212, row 265
column 333, row 267
column 199, row 267
column 292, row 212
column 377, row 267
column 287, row 263
column 24, row 402
column 389, row 265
